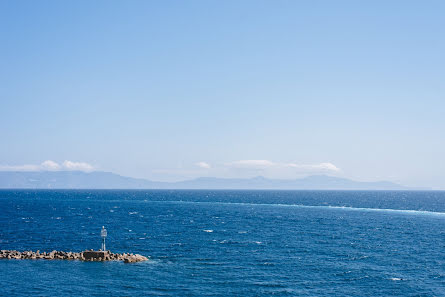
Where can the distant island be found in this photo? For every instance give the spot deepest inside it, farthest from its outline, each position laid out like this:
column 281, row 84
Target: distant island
column 108, row 180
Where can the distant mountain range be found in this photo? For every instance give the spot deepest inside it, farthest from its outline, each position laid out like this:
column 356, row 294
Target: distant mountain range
column 108, row 180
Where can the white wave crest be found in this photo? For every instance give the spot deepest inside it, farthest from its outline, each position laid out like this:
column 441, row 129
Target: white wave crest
column 332, row 207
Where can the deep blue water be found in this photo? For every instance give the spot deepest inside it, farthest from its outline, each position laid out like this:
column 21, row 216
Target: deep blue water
column 228, row 243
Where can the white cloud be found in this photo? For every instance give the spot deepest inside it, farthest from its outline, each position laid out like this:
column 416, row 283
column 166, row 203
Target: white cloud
column 80, row 166
column 266, row 164
column 203, row 165
column 49, row 165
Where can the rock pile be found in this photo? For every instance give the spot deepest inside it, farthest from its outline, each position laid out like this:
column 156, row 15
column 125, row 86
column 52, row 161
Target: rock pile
column 82, row 256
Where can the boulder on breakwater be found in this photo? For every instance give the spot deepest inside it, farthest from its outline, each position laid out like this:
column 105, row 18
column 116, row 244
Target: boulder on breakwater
column 88, row 255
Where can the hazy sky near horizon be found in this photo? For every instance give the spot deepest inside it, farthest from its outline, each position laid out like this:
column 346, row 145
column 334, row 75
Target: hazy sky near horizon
column 171, row 90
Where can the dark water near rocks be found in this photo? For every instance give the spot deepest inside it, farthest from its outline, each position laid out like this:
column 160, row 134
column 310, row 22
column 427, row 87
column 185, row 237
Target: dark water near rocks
column 220, row 243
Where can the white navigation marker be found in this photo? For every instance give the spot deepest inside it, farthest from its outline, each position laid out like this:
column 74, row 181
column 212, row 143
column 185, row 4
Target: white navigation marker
column 103, row 234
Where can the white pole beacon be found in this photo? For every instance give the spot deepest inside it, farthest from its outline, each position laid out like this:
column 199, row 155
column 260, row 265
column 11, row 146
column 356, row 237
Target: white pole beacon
column 103, row 234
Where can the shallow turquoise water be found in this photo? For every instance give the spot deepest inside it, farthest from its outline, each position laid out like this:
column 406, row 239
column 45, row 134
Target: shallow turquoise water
column 219, row 243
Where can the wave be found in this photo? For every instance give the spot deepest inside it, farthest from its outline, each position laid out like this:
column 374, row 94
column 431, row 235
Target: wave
column 332, row 207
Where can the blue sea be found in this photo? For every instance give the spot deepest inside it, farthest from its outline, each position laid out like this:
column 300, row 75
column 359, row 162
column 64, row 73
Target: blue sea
column 227, row 243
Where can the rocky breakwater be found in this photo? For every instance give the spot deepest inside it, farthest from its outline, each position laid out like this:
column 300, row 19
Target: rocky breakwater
column 82, row 256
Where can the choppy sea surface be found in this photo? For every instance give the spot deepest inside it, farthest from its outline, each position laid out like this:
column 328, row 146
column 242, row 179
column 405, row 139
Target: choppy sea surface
column 227, row 243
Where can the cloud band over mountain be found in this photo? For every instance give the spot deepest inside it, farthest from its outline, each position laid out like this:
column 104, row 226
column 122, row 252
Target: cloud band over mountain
column 266, row 164
column 50, row 165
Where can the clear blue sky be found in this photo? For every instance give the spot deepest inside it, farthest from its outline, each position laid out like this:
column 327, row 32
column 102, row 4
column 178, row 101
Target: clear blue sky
column 274, row 88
